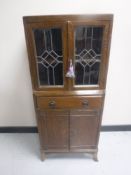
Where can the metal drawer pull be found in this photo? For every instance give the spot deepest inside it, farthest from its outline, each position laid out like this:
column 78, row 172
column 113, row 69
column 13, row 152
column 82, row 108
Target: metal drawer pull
column 85, row 103
column 52, row 104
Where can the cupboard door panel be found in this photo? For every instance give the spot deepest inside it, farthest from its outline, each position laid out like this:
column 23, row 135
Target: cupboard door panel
column 83, row 130
column 55, row 129
column 47, row 48
column 89, row 42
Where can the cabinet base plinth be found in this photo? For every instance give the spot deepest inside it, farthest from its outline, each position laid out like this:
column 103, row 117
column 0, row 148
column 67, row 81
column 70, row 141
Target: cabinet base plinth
column 91, row 152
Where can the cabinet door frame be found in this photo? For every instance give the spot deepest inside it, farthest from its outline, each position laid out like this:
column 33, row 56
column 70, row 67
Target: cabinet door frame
column 49, row 123
column 29, row 26
column 107, row 26
column 82, row 121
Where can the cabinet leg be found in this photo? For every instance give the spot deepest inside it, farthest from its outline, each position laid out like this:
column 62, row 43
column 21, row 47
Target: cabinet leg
column 42, row 155
column 95, row 158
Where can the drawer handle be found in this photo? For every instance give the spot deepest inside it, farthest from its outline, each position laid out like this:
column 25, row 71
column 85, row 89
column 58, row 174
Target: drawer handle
column 52, row 104
column 85, row 103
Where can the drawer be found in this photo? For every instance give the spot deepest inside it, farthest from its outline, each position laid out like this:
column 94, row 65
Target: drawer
column 90, row 102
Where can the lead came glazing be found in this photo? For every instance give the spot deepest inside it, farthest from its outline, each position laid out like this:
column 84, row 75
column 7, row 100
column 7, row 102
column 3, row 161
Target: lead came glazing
column 88, row 42
column 48, row 43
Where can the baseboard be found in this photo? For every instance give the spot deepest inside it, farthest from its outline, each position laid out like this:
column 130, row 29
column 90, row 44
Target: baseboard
column 110, row 128
column 19, row 129
column 106, row 128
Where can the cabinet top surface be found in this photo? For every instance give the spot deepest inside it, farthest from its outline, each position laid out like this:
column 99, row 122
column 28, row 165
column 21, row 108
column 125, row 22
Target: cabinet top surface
column 68, row 17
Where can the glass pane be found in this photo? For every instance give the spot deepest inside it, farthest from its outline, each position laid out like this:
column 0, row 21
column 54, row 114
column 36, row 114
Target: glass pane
column 88, row 42
column 49, row 56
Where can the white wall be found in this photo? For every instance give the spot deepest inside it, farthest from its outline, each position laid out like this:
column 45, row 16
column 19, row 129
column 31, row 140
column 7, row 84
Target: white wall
column 16, row 103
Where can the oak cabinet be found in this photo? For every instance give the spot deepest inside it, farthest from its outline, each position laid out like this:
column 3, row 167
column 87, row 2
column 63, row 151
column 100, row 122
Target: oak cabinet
column 68, row 59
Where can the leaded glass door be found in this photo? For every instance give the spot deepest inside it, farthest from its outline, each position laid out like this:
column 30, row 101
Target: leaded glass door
column 49, row 53
column 88, row 41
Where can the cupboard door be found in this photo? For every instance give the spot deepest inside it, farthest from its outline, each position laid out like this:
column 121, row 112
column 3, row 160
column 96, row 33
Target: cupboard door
column 83, row 129
column 88, row 43
column 55, row 130
column 47, row 49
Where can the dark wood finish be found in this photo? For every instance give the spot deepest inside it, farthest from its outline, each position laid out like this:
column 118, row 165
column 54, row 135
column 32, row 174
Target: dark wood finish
column 61, row 18
column 32, row 52
column 91, row 102
column 69, row 93
column 54, row 129
column 83, row 129
column 68, row 22
column 69, row 117
column 104, row 59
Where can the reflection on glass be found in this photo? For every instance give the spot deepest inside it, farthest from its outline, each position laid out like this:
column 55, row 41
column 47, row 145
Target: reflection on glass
column 48, row 43
column 88, row 42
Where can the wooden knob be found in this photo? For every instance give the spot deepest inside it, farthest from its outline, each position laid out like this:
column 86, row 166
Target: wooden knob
column 52, row 104
column 85, row 103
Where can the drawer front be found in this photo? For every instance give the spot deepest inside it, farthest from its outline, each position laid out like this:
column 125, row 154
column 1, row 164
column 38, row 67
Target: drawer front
column 90, row 102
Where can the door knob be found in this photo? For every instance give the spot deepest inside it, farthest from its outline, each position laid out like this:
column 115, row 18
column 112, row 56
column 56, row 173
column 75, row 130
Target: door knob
column 52, row 104
column 85, row 103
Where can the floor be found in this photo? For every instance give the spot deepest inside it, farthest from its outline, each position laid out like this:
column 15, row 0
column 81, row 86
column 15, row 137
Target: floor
column 19, row 155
